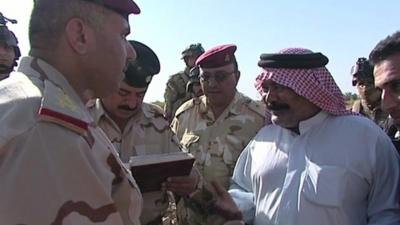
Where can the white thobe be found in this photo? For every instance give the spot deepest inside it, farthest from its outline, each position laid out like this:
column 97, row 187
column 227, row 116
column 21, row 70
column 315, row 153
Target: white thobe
column 339, row 170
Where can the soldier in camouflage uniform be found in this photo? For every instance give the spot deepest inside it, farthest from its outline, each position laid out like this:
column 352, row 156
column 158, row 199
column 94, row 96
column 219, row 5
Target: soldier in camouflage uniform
column 138, row 128
column 215, row 129
column 175, row 91
column 369, row 103
column 56, row 166
column 9, row 50
column 193, row 86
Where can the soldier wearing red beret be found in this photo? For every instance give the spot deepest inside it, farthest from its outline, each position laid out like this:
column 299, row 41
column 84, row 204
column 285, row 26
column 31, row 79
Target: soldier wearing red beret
column 56, row 165
column 215, row 128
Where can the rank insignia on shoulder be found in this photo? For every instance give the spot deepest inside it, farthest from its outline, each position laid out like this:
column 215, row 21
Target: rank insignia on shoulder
column 65, row 101
column 67, row 121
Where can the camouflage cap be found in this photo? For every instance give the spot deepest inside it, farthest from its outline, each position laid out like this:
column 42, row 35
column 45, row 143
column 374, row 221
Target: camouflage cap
column 362, row 70
column 218, row 56
column 193, row 49
column 141, row 71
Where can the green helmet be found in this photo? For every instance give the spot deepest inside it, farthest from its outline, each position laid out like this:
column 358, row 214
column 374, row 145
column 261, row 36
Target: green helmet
column 362, row 70
column 193, row 49
column 8, row 38
column 193, row 78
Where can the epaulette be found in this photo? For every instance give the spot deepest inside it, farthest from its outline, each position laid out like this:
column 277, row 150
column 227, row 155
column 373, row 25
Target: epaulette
column 156, row 108
column 77, row 125
column 155, row 117
column 256, row 106
column 185, row 106
column 151, row 110
column 59, row 108
column 176, row 76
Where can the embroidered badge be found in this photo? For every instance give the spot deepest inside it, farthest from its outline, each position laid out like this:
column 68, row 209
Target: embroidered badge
column 65, row 101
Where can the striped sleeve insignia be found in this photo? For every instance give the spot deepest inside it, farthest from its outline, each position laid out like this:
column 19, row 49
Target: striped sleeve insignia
column 72, row 123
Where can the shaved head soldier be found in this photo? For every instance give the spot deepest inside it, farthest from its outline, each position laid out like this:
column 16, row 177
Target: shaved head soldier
column 56, row 165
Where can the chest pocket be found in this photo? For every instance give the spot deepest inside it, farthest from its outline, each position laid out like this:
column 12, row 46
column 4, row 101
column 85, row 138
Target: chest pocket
column 324, row 185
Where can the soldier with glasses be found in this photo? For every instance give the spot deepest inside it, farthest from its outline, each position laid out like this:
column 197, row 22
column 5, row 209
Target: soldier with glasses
column 215, row 128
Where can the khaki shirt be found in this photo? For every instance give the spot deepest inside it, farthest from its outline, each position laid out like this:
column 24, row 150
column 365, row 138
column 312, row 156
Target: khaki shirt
column 148, row 132
column 376, row 114
column 56, row 166
column 216, row 142
column 175, row 92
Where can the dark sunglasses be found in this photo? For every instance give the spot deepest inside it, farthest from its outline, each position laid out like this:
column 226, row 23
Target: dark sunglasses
column 218, row 76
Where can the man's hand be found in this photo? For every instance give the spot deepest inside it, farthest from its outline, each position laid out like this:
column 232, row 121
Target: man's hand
column 224, row 204
column 182, row 186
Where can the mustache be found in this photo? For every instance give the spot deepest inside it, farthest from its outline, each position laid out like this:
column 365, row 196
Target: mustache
column 5, row 68
column 126, row 108
column 277, row 106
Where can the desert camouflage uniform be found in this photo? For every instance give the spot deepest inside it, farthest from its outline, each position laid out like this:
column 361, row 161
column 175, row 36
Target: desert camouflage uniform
column 146, row 133
column 175, row 92
column 377, row 114
column 216, row 144
column 56, row 166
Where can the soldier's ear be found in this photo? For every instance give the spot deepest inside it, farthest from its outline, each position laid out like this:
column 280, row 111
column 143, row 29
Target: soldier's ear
column 237, row 74
column 78, row 35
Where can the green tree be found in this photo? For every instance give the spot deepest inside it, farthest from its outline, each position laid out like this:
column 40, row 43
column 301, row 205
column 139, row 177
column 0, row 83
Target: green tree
column 350, row 98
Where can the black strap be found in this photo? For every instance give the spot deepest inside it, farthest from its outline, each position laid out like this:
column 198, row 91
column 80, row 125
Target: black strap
column 293, row 61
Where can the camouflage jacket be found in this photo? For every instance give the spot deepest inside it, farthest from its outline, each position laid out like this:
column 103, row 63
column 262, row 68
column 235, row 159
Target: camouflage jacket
column 146, row 133
column 377, row 114
column 216, row 143
column 56, row 166
column 175, row 93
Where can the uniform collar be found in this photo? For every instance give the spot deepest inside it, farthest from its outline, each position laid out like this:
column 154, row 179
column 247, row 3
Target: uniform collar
column 98, row 110
column 58, row 95
column 147, row 111
column 367, row 109
column 234, row 106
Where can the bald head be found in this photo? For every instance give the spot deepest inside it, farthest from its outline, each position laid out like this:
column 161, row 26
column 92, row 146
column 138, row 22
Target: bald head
column 50, row 17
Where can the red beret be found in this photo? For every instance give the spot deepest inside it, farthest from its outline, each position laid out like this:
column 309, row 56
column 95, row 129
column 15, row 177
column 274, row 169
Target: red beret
column 216, row 57
column 124, row 7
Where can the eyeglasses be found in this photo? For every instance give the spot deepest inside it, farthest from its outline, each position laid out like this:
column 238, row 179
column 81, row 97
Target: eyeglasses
column 218, row 76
